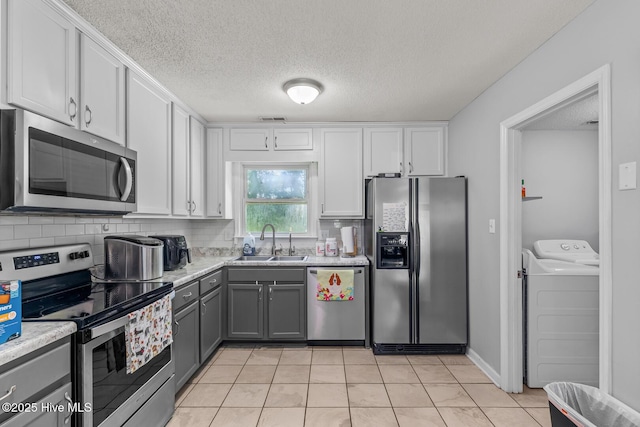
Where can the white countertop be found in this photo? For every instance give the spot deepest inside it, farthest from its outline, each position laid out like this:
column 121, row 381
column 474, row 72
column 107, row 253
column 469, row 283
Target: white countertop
column 35, row 335
column 206, row 264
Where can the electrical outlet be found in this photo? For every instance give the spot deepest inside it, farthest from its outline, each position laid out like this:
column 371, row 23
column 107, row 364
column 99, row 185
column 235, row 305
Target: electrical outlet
column 324, row 234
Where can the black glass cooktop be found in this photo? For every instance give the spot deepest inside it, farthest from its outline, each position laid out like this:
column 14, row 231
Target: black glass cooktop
column 74, row 297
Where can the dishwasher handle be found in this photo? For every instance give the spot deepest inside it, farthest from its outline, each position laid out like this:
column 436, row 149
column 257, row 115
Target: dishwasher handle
column 354, row 271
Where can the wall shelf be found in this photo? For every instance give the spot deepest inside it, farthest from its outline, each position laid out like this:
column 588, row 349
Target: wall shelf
column 526, row 199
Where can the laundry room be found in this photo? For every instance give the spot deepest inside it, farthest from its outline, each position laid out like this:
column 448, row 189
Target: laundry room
column 560, row 242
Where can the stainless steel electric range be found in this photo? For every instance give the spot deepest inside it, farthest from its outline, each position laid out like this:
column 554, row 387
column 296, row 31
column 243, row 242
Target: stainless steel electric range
column 57, row 286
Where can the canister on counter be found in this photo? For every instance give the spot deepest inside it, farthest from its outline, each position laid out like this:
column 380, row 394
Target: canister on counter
column 320, row 248
column 331, row 247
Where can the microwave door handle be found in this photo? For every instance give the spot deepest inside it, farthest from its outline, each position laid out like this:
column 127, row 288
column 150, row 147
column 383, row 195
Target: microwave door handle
column 129, row 184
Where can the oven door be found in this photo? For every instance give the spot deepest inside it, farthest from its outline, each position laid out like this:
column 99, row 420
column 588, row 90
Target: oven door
column 102, row 380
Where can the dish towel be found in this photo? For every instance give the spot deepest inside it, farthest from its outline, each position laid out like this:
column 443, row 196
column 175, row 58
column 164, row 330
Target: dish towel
column 335, row 285
column 148, row 333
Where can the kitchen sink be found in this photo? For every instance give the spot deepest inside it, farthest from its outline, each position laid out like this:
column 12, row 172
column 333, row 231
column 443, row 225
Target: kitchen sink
column 253, row 258
column 289, row 258
column 272, row 258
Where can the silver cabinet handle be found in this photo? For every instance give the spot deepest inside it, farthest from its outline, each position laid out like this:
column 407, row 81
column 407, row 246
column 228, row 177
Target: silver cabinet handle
column 68, row 399
column 204, row 306
column 265, row 142
column 129, row 185
column 177, row 327
column 271, row 292
column 9, row 393
column 400, row 167
column 322, row 208
column 194, row 206
column 220, row 208
column 189, row 206
column 260, row 293
column 87, row 110
column 410, row 167
column 187, row 296
column 72, row 116
column 275, row 142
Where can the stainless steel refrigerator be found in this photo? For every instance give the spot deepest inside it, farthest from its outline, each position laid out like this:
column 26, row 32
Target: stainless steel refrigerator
column 416, row 240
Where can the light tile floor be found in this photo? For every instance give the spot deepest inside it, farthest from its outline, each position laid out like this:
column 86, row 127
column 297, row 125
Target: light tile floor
column 348, row 386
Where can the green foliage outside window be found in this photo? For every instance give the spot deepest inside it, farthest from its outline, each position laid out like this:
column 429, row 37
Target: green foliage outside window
column 278, row 197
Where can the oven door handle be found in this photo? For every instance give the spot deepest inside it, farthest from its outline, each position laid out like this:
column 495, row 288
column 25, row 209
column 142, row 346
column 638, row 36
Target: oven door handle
column 109, row 327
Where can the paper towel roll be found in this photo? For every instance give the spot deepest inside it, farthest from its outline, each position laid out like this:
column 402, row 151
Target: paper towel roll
column 347, row 240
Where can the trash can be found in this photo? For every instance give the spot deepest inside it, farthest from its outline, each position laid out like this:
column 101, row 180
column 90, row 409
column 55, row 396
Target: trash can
column 582, row 405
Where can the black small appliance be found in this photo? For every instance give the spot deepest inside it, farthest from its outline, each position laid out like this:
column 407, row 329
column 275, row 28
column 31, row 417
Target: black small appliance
column 176, row 253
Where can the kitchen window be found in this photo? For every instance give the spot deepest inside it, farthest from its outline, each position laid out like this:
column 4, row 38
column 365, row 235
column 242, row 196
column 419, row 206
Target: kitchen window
column 277, row 195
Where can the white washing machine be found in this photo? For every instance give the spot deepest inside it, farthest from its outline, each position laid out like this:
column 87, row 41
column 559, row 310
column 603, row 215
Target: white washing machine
column 561, row 313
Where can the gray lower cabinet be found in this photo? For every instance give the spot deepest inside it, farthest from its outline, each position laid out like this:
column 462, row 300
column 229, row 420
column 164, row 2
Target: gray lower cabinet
column 245, row 311
column 186, row 342
column 266, row 304
column 210, row 322
column 197, row 325
column 38, row 380
column 287, row 311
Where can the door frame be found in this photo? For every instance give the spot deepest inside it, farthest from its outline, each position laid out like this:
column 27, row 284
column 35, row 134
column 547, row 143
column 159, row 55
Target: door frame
column 511, row 313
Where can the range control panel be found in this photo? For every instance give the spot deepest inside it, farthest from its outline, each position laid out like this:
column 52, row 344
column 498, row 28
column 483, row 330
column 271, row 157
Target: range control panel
column 29, row 261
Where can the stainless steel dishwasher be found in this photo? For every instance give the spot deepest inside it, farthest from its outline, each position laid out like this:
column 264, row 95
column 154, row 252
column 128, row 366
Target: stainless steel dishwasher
column 336, row 320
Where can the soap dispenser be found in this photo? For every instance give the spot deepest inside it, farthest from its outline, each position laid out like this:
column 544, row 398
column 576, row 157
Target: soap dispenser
column 249, row 245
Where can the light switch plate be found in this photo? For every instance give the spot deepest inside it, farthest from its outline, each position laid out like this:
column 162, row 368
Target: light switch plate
column 627, row 176
column 492, row 226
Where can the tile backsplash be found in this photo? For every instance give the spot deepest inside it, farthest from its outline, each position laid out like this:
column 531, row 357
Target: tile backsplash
column 21, row 231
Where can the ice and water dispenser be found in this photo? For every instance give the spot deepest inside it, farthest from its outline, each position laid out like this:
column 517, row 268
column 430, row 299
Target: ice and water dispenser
column 392, row 250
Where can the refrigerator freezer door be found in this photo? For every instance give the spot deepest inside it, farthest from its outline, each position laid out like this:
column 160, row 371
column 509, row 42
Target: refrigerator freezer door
column 391, row 310
column 441, row 270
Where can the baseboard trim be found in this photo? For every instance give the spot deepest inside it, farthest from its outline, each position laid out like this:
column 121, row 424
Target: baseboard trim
column 484, row 366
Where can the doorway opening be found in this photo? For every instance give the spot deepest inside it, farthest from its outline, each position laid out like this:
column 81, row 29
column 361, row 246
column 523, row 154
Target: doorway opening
column 593, row 86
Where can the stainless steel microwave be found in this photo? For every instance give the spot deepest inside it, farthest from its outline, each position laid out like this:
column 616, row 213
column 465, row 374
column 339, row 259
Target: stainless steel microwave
column 46, row 166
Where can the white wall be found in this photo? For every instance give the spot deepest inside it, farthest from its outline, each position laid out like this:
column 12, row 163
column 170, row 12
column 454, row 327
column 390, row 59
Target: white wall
column 607, row 32
column 562, row 167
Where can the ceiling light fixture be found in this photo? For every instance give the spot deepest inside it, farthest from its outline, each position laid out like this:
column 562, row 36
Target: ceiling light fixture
column 302, row 91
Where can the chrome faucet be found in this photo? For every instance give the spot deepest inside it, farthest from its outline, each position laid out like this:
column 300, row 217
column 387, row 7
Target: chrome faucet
column 273, row 247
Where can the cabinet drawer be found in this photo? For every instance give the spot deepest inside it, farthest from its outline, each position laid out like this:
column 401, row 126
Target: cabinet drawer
column 210, row 282
column 265, row 275
column 36, row 374
column 186, row 295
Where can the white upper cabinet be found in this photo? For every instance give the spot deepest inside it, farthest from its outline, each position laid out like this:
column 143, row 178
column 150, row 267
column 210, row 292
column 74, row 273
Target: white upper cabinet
column 382, row 151
column 43, row 58
column 292, row 139
column 267, row 139
column 249, row 139
column 182, row 205
column 196, row 166
column 424, row 151
column 41, row 54
column 149, row 133
column 215, row 174
column 340, row 173
column 102, row 91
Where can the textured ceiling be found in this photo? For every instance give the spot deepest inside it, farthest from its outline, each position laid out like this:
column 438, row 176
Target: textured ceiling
column 570, row 117
column 378, row 60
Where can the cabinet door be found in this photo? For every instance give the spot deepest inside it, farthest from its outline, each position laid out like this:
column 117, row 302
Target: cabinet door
column 424, row 151
column 186, row 342
column 149, row 133
column 102, row 92
column 210, row 323
column 215, row 172
column 249, row 139
column 340, row 173
column 287, row 311
column 245, row 311
column 292, row 139
column 46, row 418
column 41, row 69
column 382, row 151
column 196, row 154
column 180, row 182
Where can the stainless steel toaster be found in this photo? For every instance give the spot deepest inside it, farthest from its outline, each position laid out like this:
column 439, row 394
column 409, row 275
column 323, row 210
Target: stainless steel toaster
column 130, row 257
